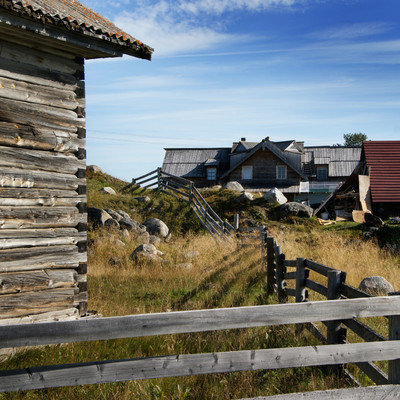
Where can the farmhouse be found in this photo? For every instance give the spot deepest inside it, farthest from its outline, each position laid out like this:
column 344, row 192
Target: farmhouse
column 300, row 172
column 42, row 152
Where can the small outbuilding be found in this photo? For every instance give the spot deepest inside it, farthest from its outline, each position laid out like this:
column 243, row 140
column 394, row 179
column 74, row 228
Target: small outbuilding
column 43, row 220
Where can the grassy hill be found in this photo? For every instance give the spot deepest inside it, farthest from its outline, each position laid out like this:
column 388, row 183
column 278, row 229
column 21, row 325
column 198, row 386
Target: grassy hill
column 198, row 272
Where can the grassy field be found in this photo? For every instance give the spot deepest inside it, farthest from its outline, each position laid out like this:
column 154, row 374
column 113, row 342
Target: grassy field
column 221, row 274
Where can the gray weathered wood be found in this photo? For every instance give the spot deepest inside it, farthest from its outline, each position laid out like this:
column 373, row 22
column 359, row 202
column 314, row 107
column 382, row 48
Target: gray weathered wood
column 17, row 177
column 41, row 241
column 300, row 280
column 373, row 372
column 351, row 292
column 394, row 334
column 18, row 282
column 363, row 331
column 66, row 314
column 387, row 392
column 41, row 138
column 289, row 275
column 197, row 321
column 41, row 233
column 40, row 160
column 320, row 268
column 270, row 265
column 312, row 328
column 334, row 282
column 194, row 364
column 290, row 263
column 317, row 287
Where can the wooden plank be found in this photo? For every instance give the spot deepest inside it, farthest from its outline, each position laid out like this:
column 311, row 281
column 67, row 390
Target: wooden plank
column 34, row 115
column 16, row 177
column 39, row 217
column 192, row 364
column 41, row 201
column 387, row 392
column 300, row 280
column 40, row 160
column 41, row 138
column 317, row 287
column 19, row 282
column 145, row 176
column 38, row 94
column 41, row 233
column 28, row 259
column 373, row 372
column 320, row 268
column 26, row 303
column 312, row 328
column 197, row 321
column 290, row 292
column 290, row 263
column 289, row 275
column 66, row 314
column 351, row 292
column 362, row 330
column 394, row 334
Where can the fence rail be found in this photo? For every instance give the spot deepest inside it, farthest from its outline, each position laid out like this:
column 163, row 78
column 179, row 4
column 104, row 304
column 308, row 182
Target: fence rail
column 185, row 190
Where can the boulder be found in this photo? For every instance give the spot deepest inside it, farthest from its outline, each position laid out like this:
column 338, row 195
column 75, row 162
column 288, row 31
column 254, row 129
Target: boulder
column 236, row 186
column 154, row 239
column 144, row 238
column 373, row 220
column 275, row 196
column 376, row 286
column 143, row 199
column 144, row 248
column 132, row 225
column 97, row 216
column 111, row 223
column 107, row 190
column 123, row 214
column 114, row 215
column 156, row 227
column 295, row 209
column 244, row 198
column 95, row 169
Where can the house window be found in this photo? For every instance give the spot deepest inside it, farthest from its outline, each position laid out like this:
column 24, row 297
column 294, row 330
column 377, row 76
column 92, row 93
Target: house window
column 281, row 172
column 211, row 174
column 247, row 172
column 322, row 173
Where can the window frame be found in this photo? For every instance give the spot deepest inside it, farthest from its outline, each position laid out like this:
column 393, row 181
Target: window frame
column 248, row 175
column 211, row 171
column 279, row 175
column 325, row 177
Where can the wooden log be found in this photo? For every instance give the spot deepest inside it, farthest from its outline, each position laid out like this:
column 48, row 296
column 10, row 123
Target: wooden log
column 40, row 160
column 290, row 263
column 39, row 94
column 14, row 243
column 394, row 334
column 300, row 281
column 36, row 115
column 320, row 268
column 26, row 303
column 351, row 292
column 38, row 58
column 28, row 259
column 197, row 321
column 20, row 178
column 19, row 282
column 41, row 233
column 192, row 364
column 317, row 287
column 41, row 201
column 39, row 217
column 67, row 314
column 28, row 73
column 333, row 293
column 44, row 197
column 40, row 138
column 387, row 392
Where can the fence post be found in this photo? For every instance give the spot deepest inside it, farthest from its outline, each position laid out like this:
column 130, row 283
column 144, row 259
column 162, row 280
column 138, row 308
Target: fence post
column 190, row 193
column 270, row 265
column 280, row 275
column 159, row 179
column 236, row 222
column 300, row 280
column 394, row 334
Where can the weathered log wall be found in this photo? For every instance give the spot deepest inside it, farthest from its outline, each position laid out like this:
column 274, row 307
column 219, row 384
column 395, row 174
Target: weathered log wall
column 42, row 181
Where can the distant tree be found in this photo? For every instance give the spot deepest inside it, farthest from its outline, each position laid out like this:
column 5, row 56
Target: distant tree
column 354, row 139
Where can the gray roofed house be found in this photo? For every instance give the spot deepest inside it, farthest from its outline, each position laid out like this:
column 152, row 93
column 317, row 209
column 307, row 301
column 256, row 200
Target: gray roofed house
column 302, row 173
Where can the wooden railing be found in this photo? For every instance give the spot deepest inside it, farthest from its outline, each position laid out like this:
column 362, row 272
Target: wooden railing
column 291, row 279
column 200, row 321
column 185, row 190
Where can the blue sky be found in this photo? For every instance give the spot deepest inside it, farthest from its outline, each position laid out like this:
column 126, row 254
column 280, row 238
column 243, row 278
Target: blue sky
column 309, row 70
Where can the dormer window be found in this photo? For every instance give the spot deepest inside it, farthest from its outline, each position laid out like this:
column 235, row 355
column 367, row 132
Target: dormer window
column 322, row 173
column 281, row 172
column 211, row 174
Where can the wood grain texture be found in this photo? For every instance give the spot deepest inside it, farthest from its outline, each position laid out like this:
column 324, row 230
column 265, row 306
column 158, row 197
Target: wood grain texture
column 66, row 314
column 197, row 321
column 387, row 392
column 194, row 364
column 41, row 138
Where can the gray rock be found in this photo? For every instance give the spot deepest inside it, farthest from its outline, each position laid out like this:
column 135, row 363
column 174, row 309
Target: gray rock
column 144, row 238
column 295, row 209
column 184, row 265
column 132, row 225
column 275, row 196
column 119, row 243
column 123, row 214
column 147, row 251
column 155, row 240
column 244, row 198
column 143, row 199
column 111, row 223
column 107, row 190
column 95, row 169
column 97, row 216
column 156, row 227
column 236, row 186
column 125, row 234
column 373, row 220
column 376, row 286
column 192, row 254
column 114, row 215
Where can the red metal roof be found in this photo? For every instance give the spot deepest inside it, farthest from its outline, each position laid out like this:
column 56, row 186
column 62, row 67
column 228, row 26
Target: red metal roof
column 75, row 16
column 383, row 160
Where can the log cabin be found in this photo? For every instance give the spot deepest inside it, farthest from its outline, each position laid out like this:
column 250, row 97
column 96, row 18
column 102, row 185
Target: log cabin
column 43, row 220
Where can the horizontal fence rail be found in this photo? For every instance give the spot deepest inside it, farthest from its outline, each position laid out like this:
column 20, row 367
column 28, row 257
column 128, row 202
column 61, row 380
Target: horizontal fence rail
column 196, row 321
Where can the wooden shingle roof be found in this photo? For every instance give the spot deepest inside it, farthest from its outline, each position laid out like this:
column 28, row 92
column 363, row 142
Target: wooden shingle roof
column 75, row 17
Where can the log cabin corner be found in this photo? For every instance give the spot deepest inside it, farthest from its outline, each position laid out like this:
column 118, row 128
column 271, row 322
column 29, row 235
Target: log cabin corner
column 43, row 220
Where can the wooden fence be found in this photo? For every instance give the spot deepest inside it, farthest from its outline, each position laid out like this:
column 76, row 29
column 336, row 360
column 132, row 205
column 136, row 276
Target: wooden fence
column 291, row 279
column 186, row 191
